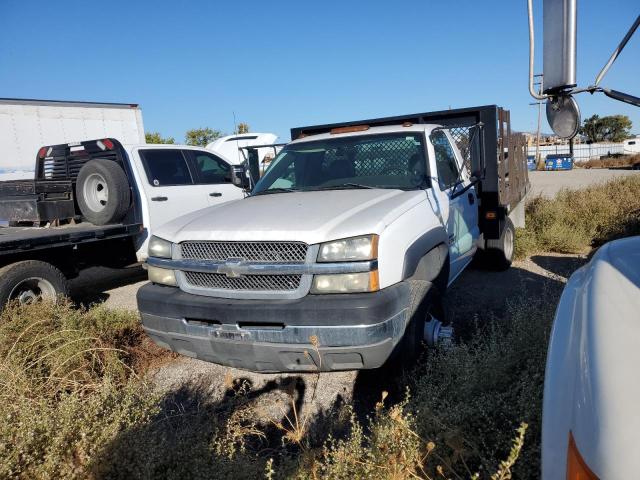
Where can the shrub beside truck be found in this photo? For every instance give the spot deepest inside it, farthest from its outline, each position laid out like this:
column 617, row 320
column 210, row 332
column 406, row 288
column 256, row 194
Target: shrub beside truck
column 96, row 203
column 341, row 255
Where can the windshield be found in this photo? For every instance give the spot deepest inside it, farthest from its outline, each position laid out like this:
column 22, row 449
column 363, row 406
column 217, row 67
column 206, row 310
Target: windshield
column 392, row 160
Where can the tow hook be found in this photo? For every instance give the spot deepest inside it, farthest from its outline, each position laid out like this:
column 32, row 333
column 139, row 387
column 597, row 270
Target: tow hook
column 437, row 334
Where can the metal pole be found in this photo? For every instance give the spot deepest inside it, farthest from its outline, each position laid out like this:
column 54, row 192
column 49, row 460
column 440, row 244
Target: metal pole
column 617, row 51
column 538, row 131
column 537, row 96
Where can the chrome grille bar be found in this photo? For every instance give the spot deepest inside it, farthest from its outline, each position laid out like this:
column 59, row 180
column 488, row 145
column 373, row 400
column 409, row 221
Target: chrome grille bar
column 272, row 283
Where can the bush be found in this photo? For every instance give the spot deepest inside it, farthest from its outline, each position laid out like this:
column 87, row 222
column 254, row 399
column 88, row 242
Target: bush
column 73, row 407
column 576, row 220
column 620, row 161
column 58, row 438
column 469, row 399
column 67, row 387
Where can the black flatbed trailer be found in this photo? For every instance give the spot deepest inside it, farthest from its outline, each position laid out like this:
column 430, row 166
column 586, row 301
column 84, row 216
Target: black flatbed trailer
column 18, row 240
column 40, row 261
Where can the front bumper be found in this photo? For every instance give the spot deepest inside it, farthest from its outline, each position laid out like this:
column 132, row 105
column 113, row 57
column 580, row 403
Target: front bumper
column 316, row 332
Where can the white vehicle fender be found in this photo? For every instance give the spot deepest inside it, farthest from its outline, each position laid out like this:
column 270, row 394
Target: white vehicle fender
column 406, row 240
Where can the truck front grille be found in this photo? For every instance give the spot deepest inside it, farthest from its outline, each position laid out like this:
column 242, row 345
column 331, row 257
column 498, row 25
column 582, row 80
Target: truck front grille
column 259, row 252
column 260, row 283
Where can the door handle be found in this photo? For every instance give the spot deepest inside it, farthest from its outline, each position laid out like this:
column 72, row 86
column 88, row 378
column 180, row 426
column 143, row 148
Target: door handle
column 159, row 199
column 472, row 198
column 215, row 194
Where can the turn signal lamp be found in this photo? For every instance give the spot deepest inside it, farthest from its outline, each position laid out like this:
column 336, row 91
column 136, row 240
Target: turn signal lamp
column 577, row 468
column 355, row 128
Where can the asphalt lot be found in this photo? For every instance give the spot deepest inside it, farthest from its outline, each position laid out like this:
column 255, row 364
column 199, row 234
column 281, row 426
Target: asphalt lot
column 548, row 183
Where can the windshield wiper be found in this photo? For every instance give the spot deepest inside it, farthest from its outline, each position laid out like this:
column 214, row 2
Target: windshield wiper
column 345, row 186
column 275, row 190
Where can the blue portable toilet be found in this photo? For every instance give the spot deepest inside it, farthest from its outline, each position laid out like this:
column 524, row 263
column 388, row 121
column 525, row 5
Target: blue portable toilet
column 558, row 161
column 531, row 162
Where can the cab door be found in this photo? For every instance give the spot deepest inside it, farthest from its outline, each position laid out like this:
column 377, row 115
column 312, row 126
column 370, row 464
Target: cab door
column 214, row 174
column 461, row 216
column 169, row 185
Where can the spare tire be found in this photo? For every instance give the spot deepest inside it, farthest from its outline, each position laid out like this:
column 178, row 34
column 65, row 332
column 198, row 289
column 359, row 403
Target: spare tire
column 102, row 191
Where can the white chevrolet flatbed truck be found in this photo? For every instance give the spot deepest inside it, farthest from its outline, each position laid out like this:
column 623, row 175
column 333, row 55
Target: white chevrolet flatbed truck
column 341, row 254
column 96, row 203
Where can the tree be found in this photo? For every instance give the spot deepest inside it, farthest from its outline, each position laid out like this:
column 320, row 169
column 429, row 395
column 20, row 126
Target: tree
column 242, row 128
column 201, row 136
column 614, row 128
column 155, row 137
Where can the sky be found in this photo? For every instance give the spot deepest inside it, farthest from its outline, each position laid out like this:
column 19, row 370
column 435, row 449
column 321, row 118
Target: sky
column 280, row 64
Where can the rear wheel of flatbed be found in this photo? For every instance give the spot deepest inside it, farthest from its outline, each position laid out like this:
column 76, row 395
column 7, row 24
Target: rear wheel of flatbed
column 498, row 254
column 31, row 280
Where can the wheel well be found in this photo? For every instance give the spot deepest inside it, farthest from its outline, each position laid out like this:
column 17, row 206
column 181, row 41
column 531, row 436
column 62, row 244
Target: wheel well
column 433, row 267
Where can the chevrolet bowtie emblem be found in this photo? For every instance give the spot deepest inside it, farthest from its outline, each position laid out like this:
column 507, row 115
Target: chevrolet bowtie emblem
column 230, row 267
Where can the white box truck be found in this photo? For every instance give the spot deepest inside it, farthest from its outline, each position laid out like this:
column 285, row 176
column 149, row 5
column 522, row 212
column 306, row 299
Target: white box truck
column 26, row 125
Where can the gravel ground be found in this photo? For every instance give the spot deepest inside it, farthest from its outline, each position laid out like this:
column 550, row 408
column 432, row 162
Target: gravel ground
column 476, row 296
column 548, row 183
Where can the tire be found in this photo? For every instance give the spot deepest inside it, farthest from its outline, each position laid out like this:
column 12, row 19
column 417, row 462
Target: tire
column 31, row 280
column 426, row 301
column 102, row 192
column 498, row 254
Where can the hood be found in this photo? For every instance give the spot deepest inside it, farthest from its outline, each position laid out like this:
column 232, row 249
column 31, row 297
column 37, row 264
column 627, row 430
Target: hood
column 310, row 217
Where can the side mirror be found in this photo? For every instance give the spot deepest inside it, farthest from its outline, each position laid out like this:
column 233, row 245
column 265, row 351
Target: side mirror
column 239, row 177
column 563, row 116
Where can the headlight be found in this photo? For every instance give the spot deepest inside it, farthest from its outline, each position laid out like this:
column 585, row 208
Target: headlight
column 346, row 283
column 159, row 247
column 349, row 249
column 161, row 275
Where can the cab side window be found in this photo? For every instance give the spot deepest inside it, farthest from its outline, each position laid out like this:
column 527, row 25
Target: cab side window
column 211, row 169
column 446, row 163
column 165, row 167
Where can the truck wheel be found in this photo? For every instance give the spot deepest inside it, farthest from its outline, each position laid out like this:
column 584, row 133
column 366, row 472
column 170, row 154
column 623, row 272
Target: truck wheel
column 102, row 191
column 498, row 254
column 426, row 303
column 31, row 280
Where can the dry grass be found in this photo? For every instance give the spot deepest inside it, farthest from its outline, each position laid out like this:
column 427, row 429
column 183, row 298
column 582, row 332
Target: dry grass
column 577, row 220
column 612, row 162
column 67, row 387
column 469, row 398
column 75, row 407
